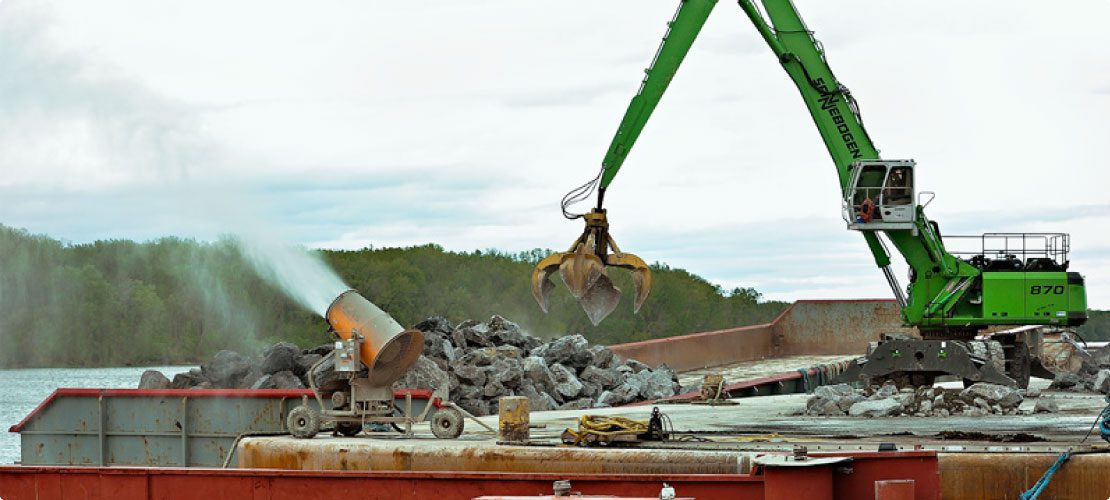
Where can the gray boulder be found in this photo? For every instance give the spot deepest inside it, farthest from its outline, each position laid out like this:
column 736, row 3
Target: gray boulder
column 845, row 403
column 424, row 374
column 435, row 324
column 495, row 389
column 1045, row 405
column 658, row 384
column 603, row 357
column 279, row 357
column 577, row 404
column 467, row 392
column 280, row 380
column 884, row 392
column 189, row 379
column 304, row 363
column 505, row 332
column 876, row 408
column 567, row 385
column 1102, row 382
column 572, row 351
column 991, row 394
column 536, row 370
column 474, row 334
column 436, row 346
column 469, row 374
column 476, row 407
column 154, row 379
column 508, row 371
column 835, row 391
column 634, row 366
column 486, row 356
column 603, row 377
column 538, row 401
column 843, row 396
column 818, row 405
column 590, row 390
column 1065, row 380
column 251, row 377
column 226, row 369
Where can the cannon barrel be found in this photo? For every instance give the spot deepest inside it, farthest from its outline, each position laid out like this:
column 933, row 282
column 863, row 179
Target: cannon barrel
column 388, row 350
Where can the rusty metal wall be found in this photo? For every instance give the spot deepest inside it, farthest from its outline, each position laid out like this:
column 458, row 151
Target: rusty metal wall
column 388, row 455
column 835, row 326
column 170, row 428
column 702, row 350
column 1001, row 476
column 131, row 483
column 806, row 327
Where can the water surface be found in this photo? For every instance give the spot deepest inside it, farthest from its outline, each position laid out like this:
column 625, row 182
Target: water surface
column 22, row 390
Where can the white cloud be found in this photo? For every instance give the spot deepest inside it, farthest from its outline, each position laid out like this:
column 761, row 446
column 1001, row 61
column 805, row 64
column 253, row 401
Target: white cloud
column 357, row 123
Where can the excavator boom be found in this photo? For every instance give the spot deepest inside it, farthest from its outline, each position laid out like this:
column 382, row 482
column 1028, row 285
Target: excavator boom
column 583, row 266
column 1010, row 279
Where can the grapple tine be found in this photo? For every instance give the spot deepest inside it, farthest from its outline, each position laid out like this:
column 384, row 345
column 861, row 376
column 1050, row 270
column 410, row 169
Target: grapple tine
column 541, row 279
column 641, row 278
column 641, row 275
column 581, row 269
column 600, row 300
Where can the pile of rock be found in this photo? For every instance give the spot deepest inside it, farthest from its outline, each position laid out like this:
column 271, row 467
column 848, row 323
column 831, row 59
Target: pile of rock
column 477, row 363
column 888, row 401
column 1097, row 380
column 481, row 362
column 280, row 366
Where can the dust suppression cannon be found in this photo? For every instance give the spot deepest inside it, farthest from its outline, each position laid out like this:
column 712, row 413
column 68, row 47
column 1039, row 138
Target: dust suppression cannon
column 372, row 351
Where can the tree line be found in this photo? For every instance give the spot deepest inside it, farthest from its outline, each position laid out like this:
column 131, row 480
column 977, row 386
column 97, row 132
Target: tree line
column 174, row 300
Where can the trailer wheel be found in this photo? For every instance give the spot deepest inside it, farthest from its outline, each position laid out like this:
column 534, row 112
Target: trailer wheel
column 447, row 423
column 303, row 422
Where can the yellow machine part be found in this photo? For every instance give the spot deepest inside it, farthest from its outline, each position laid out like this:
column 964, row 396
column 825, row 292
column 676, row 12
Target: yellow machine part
column 583, row 270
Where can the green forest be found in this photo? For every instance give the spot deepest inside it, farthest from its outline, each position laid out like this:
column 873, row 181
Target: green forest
column 116, row 303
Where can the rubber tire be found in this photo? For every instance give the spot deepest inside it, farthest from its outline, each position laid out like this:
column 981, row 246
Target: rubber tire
column 447, row 423
column 303, row 422
column 349, row 429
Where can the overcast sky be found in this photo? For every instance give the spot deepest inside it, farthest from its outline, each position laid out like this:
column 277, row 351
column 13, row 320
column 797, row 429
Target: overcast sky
column 346, row 124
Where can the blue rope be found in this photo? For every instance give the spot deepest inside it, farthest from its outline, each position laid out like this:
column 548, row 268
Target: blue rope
column 1043, row 482
column 1104, row 422
column 805, row 379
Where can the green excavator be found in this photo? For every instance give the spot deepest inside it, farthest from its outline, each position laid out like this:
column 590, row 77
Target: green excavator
column 952, row 295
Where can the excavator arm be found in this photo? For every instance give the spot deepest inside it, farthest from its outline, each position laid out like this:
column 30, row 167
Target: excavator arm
column 583, row 266
column 946, row 294
column 1008, row 282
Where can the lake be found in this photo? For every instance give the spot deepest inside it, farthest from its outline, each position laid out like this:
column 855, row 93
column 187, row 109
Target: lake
column 22, row 390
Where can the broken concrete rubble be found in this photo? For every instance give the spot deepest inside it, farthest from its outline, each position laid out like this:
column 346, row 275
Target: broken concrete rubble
column 474, row 362
column 1091, row 378
column 884, row 401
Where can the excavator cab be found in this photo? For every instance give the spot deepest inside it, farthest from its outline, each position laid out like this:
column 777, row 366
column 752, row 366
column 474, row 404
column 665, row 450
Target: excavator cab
column 881, row 195
column 582, row 268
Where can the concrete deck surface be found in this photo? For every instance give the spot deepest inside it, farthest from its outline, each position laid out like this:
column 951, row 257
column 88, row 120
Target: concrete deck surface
column 770, row 423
